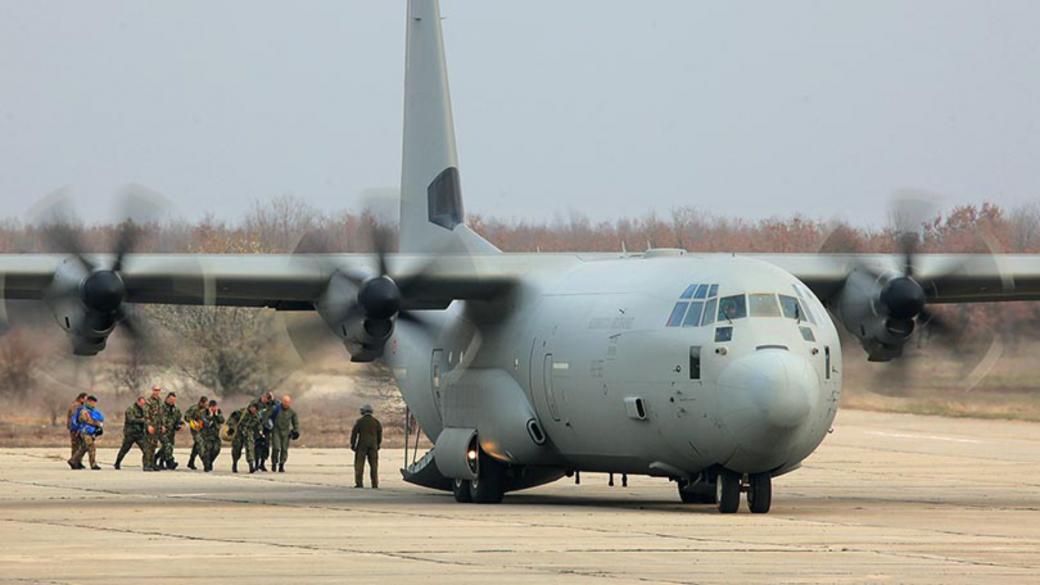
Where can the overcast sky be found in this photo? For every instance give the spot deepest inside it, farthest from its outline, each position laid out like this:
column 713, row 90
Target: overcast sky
column 608, row 108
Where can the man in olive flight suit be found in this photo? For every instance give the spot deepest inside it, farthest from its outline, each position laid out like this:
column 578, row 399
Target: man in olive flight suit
column 153, row 415
column 171, row 421
column 135, row 432
column 194, row 412
column 365, row 439
column 209, row 436
column 284, row 425
column 262, row 444
column 245, row 438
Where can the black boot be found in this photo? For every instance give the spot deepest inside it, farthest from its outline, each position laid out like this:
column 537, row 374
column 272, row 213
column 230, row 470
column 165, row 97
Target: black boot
column 252, row 468
column 119, row 461
column 281, row 468
column 260, row 466
column 234, row 466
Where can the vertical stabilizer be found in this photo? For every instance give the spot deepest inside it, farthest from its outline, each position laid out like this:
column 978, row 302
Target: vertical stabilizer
column 432, row 215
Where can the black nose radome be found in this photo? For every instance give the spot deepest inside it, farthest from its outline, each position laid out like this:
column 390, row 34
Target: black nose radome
column 103, row 291
column 380, row 298
column 904, row 297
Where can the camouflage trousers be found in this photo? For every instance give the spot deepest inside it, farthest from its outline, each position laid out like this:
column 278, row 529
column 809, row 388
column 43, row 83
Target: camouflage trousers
column 167, row 442
column 243, row 443
column 209, row 448
column 86, row 446
column 128, row 442
column 74, row 443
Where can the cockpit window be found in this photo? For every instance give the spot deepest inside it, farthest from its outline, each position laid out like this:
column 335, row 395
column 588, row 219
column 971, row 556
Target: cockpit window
column 676, row 318
column 693, row 315
column 702, row 291
column 709, row 312
column 733, row 307
column 764, row 305
column 792, row 308
column 689, row 291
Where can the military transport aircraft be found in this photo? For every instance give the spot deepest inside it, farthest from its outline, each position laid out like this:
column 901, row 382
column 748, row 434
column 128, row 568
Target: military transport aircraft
column 718, row 371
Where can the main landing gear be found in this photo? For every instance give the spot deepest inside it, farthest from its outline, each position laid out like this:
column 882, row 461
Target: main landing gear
column 488, row 488
column 725, row 491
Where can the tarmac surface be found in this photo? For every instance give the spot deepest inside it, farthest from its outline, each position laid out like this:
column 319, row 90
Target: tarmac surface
column 887, row 498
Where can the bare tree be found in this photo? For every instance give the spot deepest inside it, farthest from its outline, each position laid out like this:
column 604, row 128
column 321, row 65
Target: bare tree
column 18, row 360
column 230, row 350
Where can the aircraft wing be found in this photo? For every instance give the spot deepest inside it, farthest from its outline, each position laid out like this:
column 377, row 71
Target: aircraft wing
column 951, row 278
column 280, row 281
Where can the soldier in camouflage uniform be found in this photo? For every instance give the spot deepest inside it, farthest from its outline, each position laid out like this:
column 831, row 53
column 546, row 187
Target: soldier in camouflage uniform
column 208, row 438
column 71, row 424
column 262, row 444
column 245, row 438
column 153, row 416
column 134, row 433
column 171, row 423
column 194, row 412
column 90, row 426
column 284, row 425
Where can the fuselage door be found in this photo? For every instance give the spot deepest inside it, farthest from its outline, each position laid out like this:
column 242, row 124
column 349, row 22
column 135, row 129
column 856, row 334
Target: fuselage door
column 547, row 386
column 437, row 366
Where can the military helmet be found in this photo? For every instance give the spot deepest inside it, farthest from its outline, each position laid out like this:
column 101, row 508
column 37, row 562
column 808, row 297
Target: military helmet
column 366, row 409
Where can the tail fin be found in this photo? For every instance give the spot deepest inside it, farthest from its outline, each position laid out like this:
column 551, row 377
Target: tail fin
column 432, row 217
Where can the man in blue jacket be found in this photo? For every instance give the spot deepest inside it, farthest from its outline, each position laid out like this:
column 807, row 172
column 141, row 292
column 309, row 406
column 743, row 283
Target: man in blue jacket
column 90, row 423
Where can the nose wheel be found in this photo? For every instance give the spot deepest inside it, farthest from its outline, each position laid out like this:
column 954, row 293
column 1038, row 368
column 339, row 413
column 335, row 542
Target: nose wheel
column 728, row 486
column 759, row 493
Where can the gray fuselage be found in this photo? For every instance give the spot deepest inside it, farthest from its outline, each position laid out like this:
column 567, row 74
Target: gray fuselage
column 594, row 352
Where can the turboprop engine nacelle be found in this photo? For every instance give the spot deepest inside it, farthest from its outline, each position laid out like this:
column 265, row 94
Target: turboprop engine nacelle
column 879, row 312
column 360, row 315
column 85, row 304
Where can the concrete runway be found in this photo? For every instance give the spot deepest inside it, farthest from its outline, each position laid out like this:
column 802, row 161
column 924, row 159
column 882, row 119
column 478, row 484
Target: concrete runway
column 888, row 498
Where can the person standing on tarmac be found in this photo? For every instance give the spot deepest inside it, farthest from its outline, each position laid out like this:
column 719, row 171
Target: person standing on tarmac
column 194, row 413
column 171, row 420
column 90, row 425
column 245, row 438
column 209, row 435
column 262, row 446
column 134, row 433
column 365, row 439
column 153, row 415
column 71, row 424
column 284, row 425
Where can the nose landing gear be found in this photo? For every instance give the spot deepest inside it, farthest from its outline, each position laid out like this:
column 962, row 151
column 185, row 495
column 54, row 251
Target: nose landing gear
column 728, row 485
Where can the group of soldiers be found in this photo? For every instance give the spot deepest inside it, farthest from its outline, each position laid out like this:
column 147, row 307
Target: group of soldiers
column 265, row 427
column 262, row 429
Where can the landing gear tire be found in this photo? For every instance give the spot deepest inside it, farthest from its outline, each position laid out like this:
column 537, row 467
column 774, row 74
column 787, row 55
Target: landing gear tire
column 700, row 492
column 460, row 488
column 489, row 487
column 727, row 492
column 760, row 493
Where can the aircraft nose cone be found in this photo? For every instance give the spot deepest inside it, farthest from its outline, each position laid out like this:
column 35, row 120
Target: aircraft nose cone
column 771, row 388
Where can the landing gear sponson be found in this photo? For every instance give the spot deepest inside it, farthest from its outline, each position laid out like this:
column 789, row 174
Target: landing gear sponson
column 725, row 491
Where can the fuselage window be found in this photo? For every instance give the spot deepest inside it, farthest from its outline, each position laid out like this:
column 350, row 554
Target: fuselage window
column 695, row 362
column 709, row 312
column 807, row 334
column 678, row 312
column 734, row 307
column 763, row 305
column 693, row 315
column 791, row 307
column 723, row 334
column 702, row 291
column 689, row 291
